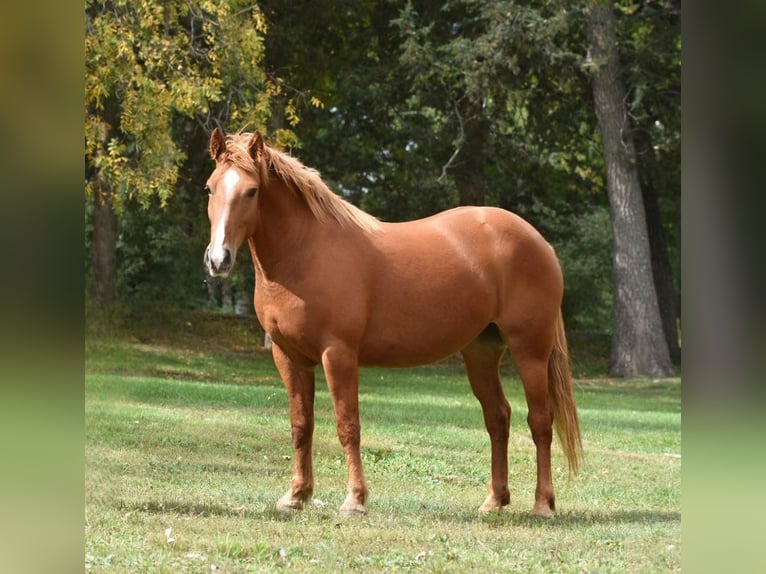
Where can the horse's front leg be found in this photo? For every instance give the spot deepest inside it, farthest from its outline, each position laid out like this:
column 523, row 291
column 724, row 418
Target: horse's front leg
column 342, row 371
column 299, row 383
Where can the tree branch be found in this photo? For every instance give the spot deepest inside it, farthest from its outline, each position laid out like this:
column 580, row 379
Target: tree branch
column 460, row 141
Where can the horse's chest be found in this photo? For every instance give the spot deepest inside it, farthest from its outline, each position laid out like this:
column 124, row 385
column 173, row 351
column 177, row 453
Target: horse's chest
column 286, row 318
column 277, row 308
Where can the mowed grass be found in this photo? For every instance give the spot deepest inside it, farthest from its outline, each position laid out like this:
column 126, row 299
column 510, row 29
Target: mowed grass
column 187, row 451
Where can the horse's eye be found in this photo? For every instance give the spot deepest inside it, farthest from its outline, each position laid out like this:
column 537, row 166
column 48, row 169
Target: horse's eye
column 251, row 192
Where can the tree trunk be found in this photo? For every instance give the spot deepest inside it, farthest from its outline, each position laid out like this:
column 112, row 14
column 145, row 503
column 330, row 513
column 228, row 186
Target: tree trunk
column 104, row 249
column 667, row 294
column 639, row 347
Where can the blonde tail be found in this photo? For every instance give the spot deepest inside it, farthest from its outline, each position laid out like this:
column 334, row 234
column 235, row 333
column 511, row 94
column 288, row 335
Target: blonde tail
column 565, row 418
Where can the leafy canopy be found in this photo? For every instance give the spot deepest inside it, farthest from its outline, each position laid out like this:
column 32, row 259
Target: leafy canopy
column 149, row 64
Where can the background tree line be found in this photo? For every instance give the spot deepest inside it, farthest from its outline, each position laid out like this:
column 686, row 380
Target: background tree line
column 567, row 113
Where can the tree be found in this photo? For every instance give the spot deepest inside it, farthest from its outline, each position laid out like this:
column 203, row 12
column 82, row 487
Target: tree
column 639, row 346
column 650, row 52
column 155, row 72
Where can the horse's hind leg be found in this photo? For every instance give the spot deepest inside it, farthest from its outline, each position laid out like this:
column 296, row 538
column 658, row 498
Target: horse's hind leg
column 482, row 358
column 533, row 368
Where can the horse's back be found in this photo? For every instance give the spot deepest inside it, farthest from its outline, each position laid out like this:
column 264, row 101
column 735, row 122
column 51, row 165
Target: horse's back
column 480, row 244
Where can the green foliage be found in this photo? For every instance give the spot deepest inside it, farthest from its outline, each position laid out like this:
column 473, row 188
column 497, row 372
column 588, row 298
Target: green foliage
column 519, row 63
column 159, row 251
column 150, row 64
column 586, row 258
column 159, row 77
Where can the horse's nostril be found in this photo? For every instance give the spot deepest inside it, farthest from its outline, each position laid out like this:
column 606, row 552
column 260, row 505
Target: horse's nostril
column 226, row 258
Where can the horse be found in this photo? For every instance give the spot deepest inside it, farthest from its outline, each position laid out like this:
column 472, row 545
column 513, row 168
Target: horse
column 336, row 287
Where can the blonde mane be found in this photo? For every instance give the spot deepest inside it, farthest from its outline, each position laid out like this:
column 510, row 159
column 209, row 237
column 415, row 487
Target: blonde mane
column 323, row 203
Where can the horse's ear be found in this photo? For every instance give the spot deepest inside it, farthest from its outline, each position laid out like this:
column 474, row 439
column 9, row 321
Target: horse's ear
column 255, row 146
column 217, row 143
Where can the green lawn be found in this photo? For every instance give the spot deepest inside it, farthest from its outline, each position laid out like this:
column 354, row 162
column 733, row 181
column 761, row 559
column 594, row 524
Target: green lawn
column 187, row 451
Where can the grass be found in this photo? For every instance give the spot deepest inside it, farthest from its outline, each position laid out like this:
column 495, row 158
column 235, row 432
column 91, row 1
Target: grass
column 188, row 448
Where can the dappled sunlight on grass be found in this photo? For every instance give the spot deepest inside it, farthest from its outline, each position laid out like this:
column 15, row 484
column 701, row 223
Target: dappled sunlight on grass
column 187, row 452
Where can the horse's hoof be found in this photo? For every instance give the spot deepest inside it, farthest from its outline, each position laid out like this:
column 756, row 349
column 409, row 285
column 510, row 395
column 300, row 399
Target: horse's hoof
column 542, row 511
column 493, row 504
column 489, row 508
column 353, row 509
column 289, row 504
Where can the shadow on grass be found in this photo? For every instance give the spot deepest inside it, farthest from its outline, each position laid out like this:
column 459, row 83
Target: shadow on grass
column 563, row 519
column 257, row 511
column 578, row 519
column 191, row 509
column 566, row 519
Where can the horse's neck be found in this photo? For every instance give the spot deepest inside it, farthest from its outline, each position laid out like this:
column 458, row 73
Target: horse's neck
column 285, row 230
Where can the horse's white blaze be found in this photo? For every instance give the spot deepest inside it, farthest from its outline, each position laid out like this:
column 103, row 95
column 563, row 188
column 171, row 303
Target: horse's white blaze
column 217, row 245
column 230, row 179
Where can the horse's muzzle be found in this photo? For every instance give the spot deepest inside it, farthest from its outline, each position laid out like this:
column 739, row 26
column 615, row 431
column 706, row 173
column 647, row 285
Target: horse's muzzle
column 219, row 266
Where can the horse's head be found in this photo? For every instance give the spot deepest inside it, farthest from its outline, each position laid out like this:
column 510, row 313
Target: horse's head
column 233, row 195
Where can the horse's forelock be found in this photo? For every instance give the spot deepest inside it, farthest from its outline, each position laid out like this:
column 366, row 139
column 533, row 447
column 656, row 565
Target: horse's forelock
column 238, row 155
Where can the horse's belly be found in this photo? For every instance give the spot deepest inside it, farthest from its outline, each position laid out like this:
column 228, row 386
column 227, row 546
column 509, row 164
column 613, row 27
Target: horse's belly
column 407, row 335
column 406, row 352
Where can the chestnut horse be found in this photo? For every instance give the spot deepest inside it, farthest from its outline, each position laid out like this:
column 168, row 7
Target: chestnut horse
column 338, row 288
